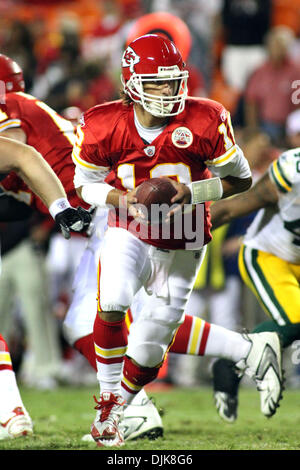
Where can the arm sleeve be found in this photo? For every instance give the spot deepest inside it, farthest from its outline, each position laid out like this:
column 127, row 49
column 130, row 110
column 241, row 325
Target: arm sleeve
column 88, row 155
column 8, row 118
column 285, row 171
column 225, row 157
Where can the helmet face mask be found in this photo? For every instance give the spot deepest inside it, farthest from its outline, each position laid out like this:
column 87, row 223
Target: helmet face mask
column 154, row 59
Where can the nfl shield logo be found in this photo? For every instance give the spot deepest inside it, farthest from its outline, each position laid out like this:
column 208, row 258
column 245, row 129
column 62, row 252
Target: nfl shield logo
column 149, row 151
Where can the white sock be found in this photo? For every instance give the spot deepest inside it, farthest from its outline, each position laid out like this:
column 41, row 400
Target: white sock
column 10, row 397
column 129, row 397
column 225, row 343
column 109, row 377
column 139, row 398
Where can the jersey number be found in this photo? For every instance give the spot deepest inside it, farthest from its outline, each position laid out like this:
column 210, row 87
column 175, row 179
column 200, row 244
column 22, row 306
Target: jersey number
column 294, row 228
column 181, row 171
column 224, row 131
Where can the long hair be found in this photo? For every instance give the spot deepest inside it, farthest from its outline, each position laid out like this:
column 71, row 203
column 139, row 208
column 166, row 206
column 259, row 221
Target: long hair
column 127, row 101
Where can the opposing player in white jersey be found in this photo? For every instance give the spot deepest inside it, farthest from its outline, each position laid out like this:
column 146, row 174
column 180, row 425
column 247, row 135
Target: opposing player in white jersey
column 269, row 261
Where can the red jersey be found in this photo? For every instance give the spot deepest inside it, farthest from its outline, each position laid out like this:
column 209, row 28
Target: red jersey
column 50, row 134
column 199, row 136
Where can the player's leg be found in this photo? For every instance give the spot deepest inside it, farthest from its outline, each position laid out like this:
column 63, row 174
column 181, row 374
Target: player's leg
column 245, row 351
column 141, row 418
column 14, row 419
column 123, row 267
column 79, row 321
column 160, row 316
column 275, row 283
column 44, row 362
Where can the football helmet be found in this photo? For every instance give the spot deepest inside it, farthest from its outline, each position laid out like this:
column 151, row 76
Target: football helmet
column 153, row 58
column 11, row 74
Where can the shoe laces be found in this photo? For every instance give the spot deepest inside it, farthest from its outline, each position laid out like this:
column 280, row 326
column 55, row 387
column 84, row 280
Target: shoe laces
column 106, row 406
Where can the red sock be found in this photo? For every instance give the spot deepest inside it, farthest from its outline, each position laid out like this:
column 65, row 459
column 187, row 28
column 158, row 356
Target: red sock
column 5, row 359
column 110, row 340
column 191, row 337
column 135, row 377
column 86, row 347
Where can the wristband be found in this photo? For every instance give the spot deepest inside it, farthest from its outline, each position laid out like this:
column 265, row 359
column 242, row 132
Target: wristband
column 206, row 190
column 58, row 206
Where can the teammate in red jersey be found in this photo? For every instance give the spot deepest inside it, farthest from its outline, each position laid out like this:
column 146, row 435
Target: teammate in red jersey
column 28, row 120
column 157, row 131
column 31, row 167
column 33, row 175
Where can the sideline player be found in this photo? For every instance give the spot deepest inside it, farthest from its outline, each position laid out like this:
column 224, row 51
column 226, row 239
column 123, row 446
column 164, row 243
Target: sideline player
column 32, row 168
column 157, row 131
column 269, row 261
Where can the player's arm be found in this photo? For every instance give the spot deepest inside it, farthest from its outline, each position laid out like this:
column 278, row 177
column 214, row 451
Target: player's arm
column 91, row 170
column 32, row 168
column 262, row 194
column 38, row 175
column 15, row 133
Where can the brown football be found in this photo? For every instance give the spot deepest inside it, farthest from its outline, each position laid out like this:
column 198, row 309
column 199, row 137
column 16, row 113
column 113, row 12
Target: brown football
column 152, row 193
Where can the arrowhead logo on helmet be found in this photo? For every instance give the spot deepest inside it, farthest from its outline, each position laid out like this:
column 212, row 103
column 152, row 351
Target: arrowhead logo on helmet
column 130, row 58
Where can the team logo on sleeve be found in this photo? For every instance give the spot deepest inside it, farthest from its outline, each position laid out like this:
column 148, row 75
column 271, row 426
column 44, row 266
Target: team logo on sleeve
column 130, row 58
column 182, row 137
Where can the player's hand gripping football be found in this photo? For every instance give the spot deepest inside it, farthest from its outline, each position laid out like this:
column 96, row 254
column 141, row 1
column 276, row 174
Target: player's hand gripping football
column 129, row 201
column 182, row 197
column 75, row 220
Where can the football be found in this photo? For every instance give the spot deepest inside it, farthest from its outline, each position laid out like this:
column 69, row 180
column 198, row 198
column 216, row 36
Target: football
column 152, row 193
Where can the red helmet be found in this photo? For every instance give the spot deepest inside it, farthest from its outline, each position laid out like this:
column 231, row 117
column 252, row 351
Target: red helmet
column 11, row 74
column 154, row 58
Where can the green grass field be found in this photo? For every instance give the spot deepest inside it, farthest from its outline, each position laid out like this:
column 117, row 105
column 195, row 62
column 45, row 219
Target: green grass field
column 63, row 416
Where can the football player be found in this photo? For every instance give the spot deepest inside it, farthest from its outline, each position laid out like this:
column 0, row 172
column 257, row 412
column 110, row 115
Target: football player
column 269, row 261
column 32, row 168
column 155, row 130
column 26, row 119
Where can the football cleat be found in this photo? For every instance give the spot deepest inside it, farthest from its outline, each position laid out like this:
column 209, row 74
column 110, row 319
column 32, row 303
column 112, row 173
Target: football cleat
column 226, row 406
column 18, row 424
column 105, row 429
column 225, row 383
column 141, row 421
column 264, row 364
